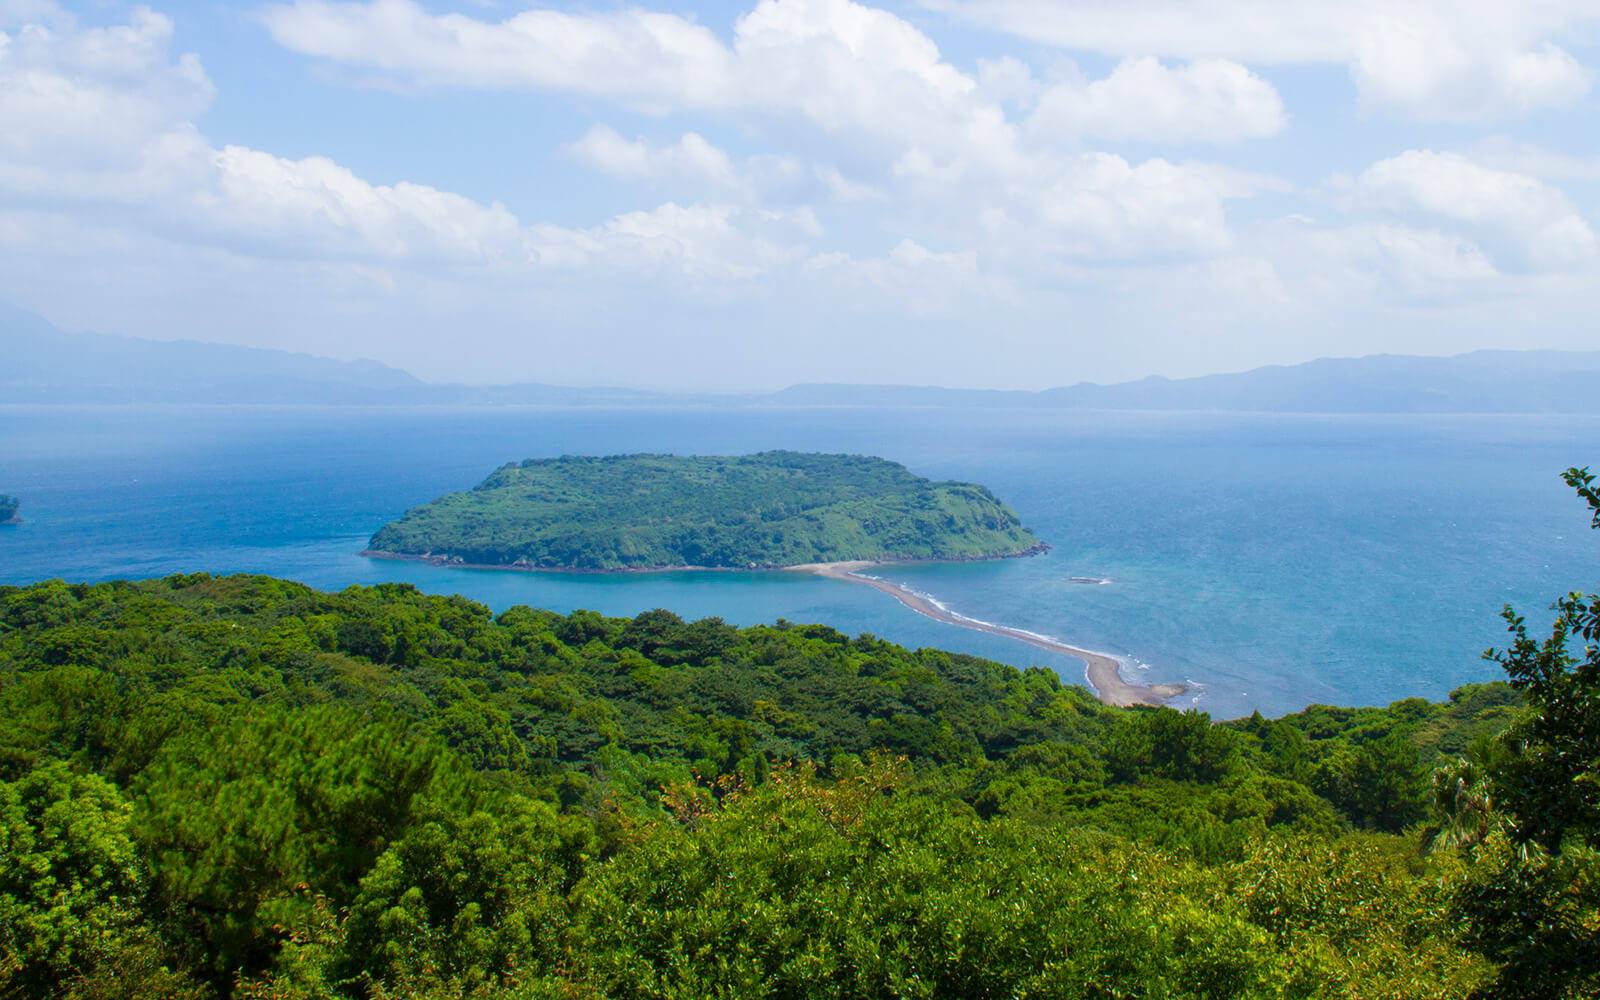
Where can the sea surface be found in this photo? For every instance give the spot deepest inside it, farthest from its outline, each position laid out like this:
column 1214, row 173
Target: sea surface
column 1269, row 561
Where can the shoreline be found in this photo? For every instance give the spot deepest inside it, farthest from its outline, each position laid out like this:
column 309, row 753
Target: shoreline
column 1103, row 672
column 453, row 562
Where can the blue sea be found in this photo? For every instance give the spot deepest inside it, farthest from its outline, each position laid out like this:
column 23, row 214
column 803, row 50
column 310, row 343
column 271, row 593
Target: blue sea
column 1269, row 561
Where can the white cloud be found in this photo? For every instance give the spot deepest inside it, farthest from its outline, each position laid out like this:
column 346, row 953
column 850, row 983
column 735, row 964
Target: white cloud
column 1208, row 100
column 838, row 64
column 316, row 207
column 702, row 242
column 691, row 157
column 1456, row 60
column 1522, row 221
column 637, row 56
column 694, row 165
column 857, row 176
column 1423, row 66
column 933, row 142
column 75, row 98
column 1516, row 156
column 926, row 281
column 100, row 119
column 1106, row 207
column 1420, row 260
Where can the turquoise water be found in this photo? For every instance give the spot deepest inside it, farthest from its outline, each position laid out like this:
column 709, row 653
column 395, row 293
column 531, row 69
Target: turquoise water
column 1271, row 561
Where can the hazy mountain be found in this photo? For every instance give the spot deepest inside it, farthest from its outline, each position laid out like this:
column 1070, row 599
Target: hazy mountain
column 830, row 394
column 41, row 364
column 1480, row 382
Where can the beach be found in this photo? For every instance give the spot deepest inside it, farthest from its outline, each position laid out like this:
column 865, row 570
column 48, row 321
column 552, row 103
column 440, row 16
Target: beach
column 1102, row 672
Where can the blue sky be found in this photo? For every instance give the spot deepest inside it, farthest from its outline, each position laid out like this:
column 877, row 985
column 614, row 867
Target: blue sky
column 987, row 193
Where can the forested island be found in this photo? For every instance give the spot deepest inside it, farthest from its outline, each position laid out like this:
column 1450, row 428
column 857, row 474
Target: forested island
column 773, row 509
column 8, row 509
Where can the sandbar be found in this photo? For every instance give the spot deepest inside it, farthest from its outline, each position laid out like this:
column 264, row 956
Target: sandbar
column 1103, row 672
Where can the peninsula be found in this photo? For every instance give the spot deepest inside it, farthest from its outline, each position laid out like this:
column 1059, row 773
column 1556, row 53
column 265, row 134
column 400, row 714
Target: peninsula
column 8, row 509
column 651, row 512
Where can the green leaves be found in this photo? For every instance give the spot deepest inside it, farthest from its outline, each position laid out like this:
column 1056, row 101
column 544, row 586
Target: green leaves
column 238, row 818
column 72, row 884
column 1533, row 902
column 382, row 793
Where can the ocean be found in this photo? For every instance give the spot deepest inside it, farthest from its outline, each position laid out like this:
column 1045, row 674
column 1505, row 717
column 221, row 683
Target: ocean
column 1268, row 561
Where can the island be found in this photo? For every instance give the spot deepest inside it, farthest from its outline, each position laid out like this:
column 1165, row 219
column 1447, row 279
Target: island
column 8, row 509
column 833, row 515
column 652, row 512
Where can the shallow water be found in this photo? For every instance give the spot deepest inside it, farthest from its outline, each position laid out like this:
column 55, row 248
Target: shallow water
column 1271, row 561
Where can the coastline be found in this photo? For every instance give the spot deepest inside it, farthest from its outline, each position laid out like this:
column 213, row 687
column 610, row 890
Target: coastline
column 453, row 562
column 1103, row 672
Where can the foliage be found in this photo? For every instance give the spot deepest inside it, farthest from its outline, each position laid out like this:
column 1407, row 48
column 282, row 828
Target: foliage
column 1533, row 902
column 777, row 508
column 252, row 789
column 72, row 883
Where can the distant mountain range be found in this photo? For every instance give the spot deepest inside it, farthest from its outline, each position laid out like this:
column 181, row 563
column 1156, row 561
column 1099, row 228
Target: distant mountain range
column 41, row 364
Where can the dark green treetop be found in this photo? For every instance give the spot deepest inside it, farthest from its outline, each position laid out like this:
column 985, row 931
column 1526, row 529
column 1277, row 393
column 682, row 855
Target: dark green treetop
column 777, row 508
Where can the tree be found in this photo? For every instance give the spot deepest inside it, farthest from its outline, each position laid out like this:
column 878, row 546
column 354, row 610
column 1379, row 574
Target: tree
column 1378, row 784
column 1180, row 746
column 72, row 891
column 1532, row 903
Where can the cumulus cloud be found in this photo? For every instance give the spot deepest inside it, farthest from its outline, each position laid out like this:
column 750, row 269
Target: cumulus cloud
column 691, row 157
column 1105, row 207
column 931, row 141
column 73, row 98
column 314, row 206
column 101, row 119
column 1454, row 60
column 1524, row 222
column 702, row 242
column 1517, row 156
column 926, row 280
column 857, row 173
column 1208, row 100
column 837, row 65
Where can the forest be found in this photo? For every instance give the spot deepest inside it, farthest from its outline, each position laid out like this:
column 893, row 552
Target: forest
column 776, row 508
column 238, row 787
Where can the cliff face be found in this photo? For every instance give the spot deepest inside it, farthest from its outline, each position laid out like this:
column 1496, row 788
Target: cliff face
column 8, row 509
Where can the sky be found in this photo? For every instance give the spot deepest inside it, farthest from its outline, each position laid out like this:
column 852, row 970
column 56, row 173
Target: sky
column 743, row 196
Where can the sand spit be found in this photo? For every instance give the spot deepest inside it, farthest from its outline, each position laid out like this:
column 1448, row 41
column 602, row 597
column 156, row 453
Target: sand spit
column 1103, row 672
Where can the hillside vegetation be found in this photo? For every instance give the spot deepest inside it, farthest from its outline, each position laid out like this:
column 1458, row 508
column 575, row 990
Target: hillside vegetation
column 215, row 787
column 777, row 508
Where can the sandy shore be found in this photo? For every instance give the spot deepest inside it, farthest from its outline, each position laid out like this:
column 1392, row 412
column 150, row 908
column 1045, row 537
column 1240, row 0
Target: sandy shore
column 1103, row 672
